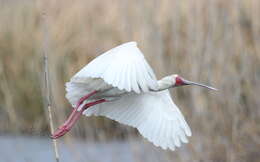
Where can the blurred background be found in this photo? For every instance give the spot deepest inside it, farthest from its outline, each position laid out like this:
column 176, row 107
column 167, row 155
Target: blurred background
column 210, row 41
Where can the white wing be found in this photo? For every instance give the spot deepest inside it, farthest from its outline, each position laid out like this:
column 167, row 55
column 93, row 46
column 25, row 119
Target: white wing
column 123, row 67
column 75, row 90
column 154, row 114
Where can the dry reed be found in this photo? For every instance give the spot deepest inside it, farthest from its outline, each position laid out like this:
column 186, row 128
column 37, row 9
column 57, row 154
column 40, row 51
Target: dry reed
column 47, row 82
column 213, row 42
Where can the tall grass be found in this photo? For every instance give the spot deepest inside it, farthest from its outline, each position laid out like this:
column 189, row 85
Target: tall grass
column 214, row 42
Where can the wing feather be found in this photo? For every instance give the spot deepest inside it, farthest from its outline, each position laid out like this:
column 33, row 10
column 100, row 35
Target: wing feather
column 116, row 65
column 128, row 78
column 154, row 114
column 142, row 82
column 121, row 77
column 171, row 143
column 162, row 131
column 134, row 80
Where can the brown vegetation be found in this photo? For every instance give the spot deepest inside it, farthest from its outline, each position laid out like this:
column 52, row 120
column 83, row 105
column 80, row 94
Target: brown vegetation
column 215, row 42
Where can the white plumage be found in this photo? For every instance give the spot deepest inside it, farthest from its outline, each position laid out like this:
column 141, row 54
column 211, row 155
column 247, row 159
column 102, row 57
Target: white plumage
column 123, row 67
column 154, row 114
column 123, row 77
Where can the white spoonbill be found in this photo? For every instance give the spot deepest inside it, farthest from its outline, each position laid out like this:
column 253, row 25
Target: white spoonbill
column 121, row 85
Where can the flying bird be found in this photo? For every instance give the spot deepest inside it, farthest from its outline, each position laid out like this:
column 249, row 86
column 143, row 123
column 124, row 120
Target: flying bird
column 120, row 85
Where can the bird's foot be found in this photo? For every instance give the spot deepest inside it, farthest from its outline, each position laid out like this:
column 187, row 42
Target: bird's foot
column 60, row 131
column 75, row 115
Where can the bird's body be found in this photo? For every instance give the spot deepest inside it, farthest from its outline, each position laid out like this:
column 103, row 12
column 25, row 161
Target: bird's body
column 121, row 85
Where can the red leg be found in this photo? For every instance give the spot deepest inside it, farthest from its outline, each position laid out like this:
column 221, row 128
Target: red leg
column 73, row 118
column 74, row 111
column 85, row 107
column 82, row 99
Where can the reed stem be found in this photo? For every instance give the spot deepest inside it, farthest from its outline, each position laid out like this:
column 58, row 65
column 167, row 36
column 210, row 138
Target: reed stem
column 47, row 83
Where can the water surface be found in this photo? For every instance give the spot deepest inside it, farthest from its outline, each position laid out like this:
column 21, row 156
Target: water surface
column 39, row 149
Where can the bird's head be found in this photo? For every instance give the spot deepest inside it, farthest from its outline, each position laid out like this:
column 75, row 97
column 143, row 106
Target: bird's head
column 179, row 81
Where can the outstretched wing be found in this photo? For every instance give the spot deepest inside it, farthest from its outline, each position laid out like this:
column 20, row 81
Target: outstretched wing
column 154, row 114
column 123, row 67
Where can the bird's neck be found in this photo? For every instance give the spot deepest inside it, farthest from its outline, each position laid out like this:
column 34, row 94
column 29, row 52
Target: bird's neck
column 164, row 83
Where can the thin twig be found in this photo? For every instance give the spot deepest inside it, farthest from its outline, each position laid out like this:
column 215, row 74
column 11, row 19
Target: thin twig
column 47, row 84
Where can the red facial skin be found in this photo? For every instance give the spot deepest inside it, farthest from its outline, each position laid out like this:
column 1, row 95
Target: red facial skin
column 74, row 116
column 179, row 81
